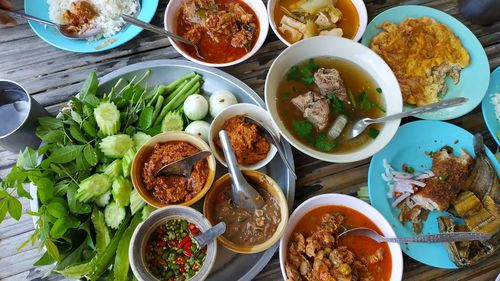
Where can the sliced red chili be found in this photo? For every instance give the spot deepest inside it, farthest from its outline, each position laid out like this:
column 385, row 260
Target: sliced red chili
column 188, row 252
column 184, row 241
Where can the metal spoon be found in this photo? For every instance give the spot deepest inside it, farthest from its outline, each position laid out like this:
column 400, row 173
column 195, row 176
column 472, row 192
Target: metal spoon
column 244, row 195
column 272, row 139
column 62, row 28
column 134, row 21
column 431, row 238
column 360, row 125
column 208, row 236
column 183, row 166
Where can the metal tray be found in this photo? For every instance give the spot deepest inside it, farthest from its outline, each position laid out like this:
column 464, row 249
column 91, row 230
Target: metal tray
column 228, row 265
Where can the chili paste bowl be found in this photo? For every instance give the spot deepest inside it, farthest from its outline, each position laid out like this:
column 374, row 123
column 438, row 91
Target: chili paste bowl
column 144, row 230
column 212, row 200
column 146, row 149
column 242, row 109
column 172, row 13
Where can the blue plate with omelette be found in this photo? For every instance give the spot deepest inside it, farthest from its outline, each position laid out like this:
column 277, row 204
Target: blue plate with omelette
column 40, row 9
column 411, row 147
column 474, row 78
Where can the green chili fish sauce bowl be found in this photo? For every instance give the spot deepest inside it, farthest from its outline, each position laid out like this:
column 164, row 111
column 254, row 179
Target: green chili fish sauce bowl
column 317, row 88
column 163, row 246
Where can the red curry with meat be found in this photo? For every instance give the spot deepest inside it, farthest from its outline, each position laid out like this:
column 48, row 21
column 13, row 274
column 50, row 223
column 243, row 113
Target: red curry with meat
column 173, row 189
column 248, row 143
column 224, row 30
column 316, row 253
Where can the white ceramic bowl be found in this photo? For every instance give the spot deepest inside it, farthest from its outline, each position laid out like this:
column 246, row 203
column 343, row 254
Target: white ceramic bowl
column 353, row 203
column 346, row 49
column 358, row 4
column 143, row 231
column 247, row 109
column 258, row 7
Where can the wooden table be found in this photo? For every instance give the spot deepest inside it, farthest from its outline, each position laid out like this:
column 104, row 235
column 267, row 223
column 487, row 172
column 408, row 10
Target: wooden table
column 52, row 76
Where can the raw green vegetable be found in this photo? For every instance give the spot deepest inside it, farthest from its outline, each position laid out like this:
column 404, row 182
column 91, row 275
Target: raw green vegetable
column 121, row 265
column 140, row 138
column 219, row 100
column 101, row 230
column 170, row 87
column 101, row 262
column 113, row 170
column 114, row 215
column 200, row 129
column 136, row 202
column 172, row 122
column 76, row 271
column 103, row 200
column 121, row 191
column 92, row 187
column 195, row 107
column 158, row 106
column 115, row 146
column 107, row 117
column 146, row 211
column 127, row 161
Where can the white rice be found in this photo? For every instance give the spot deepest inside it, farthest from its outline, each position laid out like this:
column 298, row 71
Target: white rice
column 495, row 100
column 108, row 13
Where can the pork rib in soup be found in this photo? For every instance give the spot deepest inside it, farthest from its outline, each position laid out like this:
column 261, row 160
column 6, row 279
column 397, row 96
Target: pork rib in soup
column 319, row 99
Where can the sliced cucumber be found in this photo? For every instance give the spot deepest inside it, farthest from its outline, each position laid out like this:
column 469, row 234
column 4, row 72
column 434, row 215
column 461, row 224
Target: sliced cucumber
column 121, row 191
column 114, row 169
column 127, row 161
column 140, row 138
column 114, row 215
column 107, row 117
column 103, row 199
column 172, row 122
column 146, row 211
column 116, row 146
column 136, row 202
column 92, row 187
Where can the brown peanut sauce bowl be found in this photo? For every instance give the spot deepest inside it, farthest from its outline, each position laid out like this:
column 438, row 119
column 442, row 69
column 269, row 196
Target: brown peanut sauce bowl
column 259, row 181
column 146, row 149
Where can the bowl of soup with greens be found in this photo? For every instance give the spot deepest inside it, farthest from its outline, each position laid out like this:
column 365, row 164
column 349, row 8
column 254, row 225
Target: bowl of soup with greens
column 318, row 88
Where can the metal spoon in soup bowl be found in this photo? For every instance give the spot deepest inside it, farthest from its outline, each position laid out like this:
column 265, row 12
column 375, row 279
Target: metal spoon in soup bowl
column 66, row 30
column 244, row 195
column 430, row 238
column 360, row 125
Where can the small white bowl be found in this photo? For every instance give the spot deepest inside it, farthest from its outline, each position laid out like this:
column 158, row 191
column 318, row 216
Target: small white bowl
column 330, row 46
column 258, row 7
column 358, row 4
column 143, row 231
column 334, row 199
column 246, row 109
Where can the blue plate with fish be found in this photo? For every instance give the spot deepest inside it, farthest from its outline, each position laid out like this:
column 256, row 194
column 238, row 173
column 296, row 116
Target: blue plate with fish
column 411, row 146
column 474, row 78
column 489, row 114
column 40, row 9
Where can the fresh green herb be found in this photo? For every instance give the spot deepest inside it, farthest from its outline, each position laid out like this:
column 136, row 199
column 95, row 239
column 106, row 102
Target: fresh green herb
column 365, row 103
column 336, row 104
column 324, row 143
column 303, row 128
column 351, row 98
column 379, row 90
column 373, row 133
column 443, row 178
column 304, row 72
column 286, row 96
column 410, row 170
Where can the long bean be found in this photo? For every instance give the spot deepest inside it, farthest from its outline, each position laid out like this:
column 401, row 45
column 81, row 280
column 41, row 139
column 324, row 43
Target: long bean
column 159, row 104
column 194, row 90
column 178, row 96
column 170, row 87
column 121, row 267
column 175, row 92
